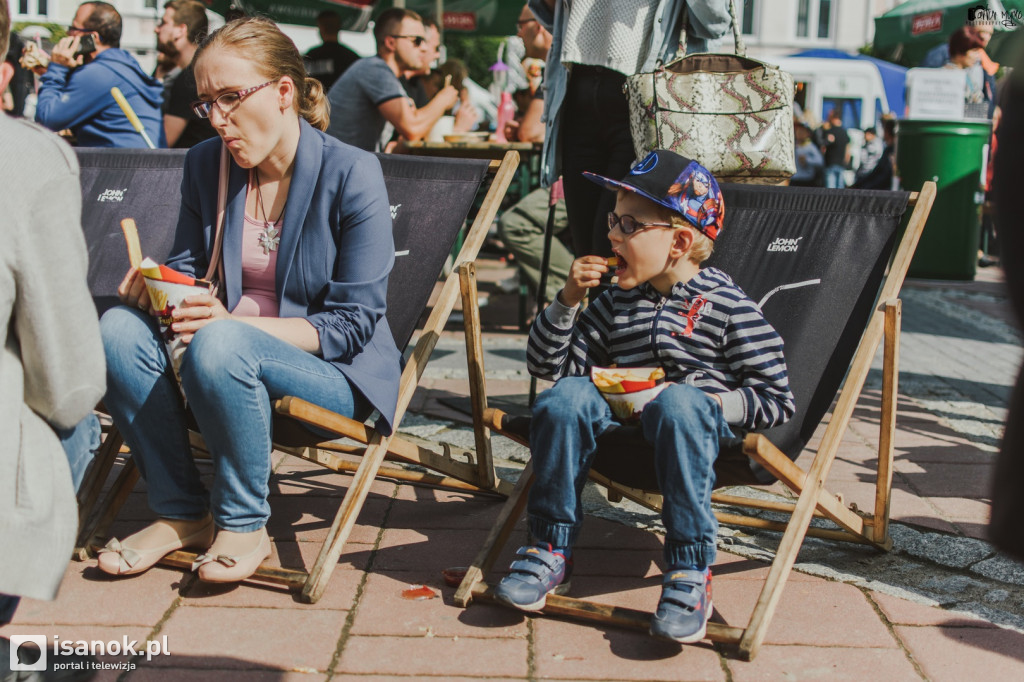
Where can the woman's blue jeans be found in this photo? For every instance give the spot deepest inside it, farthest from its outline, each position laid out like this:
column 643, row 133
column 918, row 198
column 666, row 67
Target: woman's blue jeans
column 230, row 374
column 684, row 424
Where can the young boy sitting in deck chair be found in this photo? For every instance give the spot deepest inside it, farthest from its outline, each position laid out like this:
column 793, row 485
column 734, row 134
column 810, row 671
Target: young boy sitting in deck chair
column 723, row 359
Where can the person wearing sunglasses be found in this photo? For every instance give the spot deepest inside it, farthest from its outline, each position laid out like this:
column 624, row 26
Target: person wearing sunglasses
column 74, row 90
column 307, row 250
column 369, row 104
column 722, row 364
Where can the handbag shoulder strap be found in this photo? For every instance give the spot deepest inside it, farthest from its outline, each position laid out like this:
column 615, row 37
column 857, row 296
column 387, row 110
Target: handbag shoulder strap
column 740, row 46
column 222, row 202
column 681, row 49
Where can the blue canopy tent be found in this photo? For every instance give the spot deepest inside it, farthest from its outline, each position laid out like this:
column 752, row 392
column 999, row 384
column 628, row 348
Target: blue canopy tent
column 894, row 76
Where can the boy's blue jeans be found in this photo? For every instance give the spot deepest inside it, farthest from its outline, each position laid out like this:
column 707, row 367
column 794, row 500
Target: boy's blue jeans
column 230, row 373
column 684, row 424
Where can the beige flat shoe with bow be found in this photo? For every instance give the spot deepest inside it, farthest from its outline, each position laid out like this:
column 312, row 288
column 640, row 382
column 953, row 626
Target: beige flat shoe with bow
column 133, row 556
column 218, row 566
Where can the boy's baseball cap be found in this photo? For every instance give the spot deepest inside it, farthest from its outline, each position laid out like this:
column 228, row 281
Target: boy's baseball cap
column 674, row 181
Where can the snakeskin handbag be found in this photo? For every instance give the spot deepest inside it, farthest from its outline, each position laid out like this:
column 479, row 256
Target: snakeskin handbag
column 732, row 114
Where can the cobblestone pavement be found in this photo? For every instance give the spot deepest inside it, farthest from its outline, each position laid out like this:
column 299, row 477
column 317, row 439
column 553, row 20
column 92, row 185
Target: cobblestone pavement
column 942, row 605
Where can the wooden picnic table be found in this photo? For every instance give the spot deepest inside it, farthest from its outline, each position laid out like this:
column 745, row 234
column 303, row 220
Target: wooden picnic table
column 471, row 150
column 528, row 178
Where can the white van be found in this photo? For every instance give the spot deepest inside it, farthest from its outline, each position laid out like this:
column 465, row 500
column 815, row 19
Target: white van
column 854, row 86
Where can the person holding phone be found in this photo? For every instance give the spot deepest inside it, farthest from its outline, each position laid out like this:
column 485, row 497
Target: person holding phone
column 75, row 87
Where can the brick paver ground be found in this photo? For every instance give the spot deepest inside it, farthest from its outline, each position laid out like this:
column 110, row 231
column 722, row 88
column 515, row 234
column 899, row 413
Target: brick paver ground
column 942, row 606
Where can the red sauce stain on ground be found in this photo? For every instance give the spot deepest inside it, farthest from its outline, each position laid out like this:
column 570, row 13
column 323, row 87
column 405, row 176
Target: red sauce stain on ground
column 417, row 592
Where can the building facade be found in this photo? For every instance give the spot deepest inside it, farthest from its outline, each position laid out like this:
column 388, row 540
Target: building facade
column 780, row 27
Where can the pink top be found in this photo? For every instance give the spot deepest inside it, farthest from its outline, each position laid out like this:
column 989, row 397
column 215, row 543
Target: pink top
column 258, row 268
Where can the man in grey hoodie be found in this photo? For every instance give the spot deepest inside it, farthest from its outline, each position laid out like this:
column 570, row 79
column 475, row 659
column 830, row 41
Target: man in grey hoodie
column 75, row 88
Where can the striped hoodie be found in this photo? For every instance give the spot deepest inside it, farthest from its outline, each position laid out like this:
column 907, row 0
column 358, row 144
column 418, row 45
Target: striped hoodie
column 706, row 333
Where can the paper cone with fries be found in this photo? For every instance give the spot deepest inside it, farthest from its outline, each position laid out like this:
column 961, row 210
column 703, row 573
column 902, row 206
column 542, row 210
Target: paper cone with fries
column 628, row 389
column 167, row 289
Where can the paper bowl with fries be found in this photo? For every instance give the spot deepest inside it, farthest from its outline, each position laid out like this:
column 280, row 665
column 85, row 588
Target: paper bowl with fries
column 628, row 389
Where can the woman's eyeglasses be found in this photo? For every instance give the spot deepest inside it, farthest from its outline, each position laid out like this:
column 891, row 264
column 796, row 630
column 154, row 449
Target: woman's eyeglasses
column 628, row 224
column 227, row 102
column 416, row 40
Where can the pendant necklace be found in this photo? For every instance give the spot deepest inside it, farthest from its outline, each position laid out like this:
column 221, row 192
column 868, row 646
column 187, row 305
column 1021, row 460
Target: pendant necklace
column 270, row 237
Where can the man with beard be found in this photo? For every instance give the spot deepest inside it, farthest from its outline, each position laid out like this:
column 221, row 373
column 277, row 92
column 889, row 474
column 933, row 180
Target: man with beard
column 368, row 100
column 183, row 25
column 412, row 79
column 74, row 88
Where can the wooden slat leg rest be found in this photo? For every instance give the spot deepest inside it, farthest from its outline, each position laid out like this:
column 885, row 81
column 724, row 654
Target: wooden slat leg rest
column 605, row 614
column 641, row 497
column 398, row 448
column 92, row 486
column 780, row 526
column 753, row 503
column 762, row 450
column 485, row 476
column 496, row 538
column 112, row 503
column 344, row 521
column 292, row 578
column 887, row 421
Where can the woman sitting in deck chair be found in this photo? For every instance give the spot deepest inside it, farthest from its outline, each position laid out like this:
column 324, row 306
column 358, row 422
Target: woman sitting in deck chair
column 307, row 249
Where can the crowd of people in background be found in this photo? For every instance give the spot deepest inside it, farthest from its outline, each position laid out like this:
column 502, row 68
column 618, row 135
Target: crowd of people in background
column 404, row 91
column 825, row 155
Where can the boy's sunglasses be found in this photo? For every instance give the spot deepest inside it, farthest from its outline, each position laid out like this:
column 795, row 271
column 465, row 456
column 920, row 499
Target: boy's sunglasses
column 416, row 40
column 628, row 224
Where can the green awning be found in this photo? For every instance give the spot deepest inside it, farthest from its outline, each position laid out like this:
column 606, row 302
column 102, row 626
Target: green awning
column 479, row 17
column 905, row 33
column 355, row 14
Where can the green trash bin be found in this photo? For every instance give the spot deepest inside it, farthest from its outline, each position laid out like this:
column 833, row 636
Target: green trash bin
column 954, row 154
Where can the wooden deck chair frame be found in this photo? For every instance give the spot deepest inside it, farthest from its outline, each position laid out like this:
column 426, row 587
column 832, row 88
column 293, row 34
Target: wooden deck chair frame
column 813, row 499
column 371, row 446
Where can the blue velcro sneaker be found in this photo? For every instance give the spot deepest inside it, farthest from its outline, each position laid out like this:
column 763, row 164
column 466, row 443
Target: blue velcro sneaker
column 684, row 608
column 534, row 574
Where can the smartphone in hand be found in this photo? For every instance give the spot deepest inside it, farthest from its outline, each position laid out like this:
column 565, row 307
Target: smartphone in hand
column 86, row 45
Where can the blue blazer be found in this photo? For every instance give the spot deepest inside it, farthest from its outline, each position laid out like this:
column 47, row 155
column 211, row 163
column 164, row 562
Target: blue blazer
column 333, row 261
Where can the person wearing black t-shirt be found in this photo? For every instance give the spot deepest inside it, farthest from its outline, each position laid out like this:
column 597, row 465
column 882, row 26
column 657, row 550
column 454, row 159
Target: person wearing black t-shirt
column 179, row 32
column 836, row 149
column 328, row 61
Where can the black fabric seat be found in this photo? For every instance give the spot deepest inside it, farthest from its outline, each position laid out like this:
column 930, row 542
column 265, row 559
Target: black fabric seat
column 815, row 260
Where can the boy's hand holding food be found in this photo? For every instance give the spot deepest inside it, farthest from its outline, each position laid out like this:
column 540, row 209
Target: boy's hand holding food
column 586, row 273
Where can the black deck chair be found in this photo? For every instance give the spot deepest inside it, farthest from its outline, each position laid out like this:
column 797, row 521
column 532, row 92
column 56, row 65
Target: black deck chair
column 430, row 201
column 826, row 267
